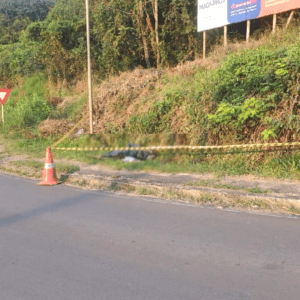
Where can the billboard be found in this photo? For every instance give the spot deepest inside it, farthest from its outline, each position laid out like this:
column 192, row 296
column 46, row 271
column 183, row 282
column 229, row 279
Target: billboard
column 218, row 13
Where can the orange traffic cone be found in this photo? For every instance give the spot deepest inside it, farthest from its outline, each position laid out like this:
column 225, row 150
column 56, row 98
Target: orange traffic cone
column 49, row 174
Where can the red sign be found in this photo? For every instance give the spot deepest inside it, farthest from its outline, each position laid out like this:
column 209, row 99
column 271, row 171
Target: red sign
column 4, row 95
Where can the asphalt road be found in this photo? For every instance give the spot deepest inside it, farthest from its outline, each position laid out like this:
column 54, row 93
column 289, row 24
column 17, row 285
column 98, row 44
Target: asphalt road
column 63, row 243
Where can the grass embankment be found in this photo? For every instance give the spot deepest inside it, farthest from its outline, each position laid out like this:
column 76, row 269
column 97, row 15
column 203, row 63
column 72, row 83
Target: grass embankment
column 247, row 95
column 34, row 169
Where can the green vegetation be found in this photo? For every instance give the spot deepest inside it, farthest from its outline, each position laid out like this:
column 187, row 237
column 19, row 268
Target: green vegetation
column 274, row 165
column 145, row 191
column 252, row 96
column 60, row 167
column 38, row 35
column 218, row 185
column 50, row 36
column 11, row 10
column 16, row 15
column 252, row 91
column 29, row 163
column 27, row 106
column 66, row 168
column 215, row 199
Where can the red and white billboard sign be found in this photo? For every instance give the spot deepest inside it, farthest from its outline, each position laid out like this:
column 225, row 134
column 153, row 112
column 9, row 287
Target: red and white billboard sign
column 217, row 13
column 4, row 93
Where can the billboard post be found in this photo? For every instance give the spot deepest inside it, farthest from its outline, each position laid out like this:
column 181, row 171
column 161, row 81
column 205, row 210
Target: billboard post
column 248, row 31
column 204, row 44
column 274, row 23
column 289, row 19
column 225, row 36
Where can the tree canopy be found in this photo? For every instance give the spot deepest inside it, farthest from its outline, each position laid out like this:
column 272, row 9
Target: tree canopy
column 124, row 34
column 33, row 9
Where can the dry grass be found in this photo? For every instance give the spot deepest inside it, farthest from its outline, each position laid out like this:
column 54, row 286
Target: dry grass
column 117, row 98
column 50, row 127
column 190, row 195
column 24, row 172
column 197, row 197
column 245, row 203
column 120, row 97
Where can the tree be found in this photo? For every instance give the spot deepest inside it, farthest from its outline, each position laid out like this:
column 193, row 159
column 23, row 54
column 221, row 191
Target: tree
column 124, row 34
column 34, row 9
column 16, row 15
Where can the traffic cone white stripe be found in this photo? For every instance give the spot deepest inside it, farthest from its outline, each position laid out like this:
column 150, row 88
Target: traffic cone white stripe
column 50, row 166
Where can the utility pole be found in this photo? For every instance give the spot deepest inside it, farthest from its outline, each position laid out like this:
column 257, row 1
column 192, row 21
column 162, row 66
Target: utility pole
column 89, row 65
column 156, row 33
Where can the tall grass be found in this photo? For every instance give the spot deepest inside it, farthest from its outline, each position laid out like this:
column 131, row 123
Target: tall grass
column 26, row 107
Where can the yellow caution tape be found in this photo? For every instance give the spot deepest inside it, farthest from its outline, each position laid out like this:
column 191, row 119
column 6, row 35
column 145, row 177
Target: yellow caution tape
column 70, row 132
column 195, row 148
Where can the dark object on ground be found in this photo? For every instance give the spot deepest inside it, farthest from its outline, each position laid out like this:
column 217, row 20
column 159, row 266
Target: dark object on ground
column 139, row 154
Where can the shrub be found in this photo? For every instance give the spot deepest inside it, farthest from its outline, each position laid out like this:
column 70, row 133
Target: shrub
column 27, row 112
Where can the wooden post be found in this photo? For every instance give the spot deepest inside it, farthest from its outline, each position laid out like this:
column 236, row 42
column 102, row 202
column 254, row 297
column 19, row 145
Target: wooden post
column 89, row 65
column 2, row 114
column 156, row 33
column 143, row 33
column 248, row 31
column 274, row 23
column 289, row 19
column 204, row 44
column 225, row 36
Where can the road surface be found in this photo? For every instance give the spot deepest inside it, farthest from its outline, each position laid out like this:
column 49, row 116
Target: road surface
column 62, row 243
